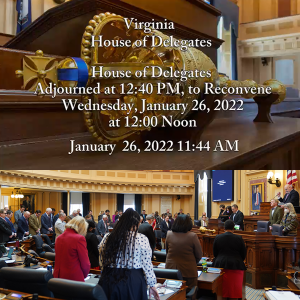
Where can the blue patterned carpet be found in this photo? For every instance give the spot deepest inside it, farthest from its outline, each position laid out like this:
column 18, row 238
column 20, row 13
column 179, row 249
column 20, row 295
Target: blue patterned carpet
column 252, row 294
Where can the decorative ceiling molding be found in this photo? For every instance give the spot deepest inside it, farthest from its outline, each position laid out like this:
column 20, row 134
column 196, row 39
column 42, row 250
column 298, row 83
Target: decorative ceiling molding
column 17, row 179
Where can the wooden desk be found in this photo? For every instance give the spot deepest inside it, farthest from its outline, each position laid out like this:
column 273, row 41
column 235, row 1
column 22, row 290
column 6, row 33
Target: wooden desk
column 211, row 282
column 26, row 296
column 268, row 257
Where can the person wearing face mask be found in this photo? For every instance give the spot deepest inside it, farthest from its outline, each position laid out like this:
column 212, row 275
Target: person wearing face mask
column 226, row 214
column 92, row 245
column 289, row 220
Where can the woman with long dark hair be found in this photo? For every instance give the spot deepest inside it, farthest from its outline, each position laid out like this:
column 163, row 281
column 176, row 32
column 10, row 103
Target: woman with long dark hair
column 126, row 261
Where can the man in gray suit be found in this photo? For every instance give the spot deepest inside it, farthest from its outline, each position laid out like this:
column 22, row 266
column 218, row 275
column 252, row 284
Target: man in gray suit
column 18, row 214
column 102, row 226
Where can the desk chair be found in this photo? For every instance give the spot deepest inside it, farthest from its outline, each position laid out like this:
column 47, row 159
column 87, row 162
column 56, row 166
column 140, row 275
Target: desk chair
column 47, row 248
column 30, row 251
column 50, row 256
column 160, row 256
column 75, row 290
column 39, row 245
column 26, row 280
column 192, row 294
column 168, row 273
column 47, row 240
column 277, row 229
column 263, row 226
column 197, row 223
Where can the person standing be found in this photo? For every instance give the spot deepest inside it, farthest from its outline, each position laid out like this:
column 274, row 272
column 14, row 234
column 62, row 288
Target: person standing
column 165, row 226
column 126, row 261
column 8, row 217
column 231, row 258
column 57, row 216
column 35, row 223
column 23, row 225
column 289, row 220
column 147, row 230
column 237, row 216
column 18, row 214
column 144, row 215
column 222, row 211
column 91, row 214
column 71, row 254
column 291, row 195
column 102, row 226
column 60, row 224
column 5, row 230
column 92, row 245
column 46, row 222
column 276, row 213
column 183, row 250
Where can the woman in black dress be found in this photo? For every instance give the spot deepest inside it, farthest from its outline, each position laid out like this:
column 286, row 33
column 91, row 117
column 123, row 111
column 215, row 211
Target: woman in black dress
column 126, row 261
column 92, row 245
column 230, row 252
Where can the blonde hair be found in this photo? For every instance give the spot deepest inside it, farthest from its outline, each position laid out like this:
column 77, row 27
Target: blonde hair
column 290, row 206
column 276, row 201
column 79, row 225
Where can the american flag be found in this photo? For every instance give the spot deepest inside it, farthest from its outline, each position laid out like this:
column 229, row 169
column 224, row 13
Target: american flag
column 291, row 177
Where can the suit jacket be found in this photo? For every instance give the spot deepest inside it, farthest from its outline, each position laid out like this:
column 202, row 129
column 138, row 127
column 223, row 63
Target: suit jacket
column 290, row 223
column 5, row 231
column 292, row 197
column 229, row 251
column 164, row 228
column 92, row 247
column 71, row 260
column 277, row 215
column 17, row 216
column 22, row 227
column 144, row 217
column 10, row 223
column 34, row 224
column 93, row 218
column 183, row 252
column 238, row 219
column 59, row 227
column 147, row 230
column 46, row 223
column 206, row 221
column 102, row 229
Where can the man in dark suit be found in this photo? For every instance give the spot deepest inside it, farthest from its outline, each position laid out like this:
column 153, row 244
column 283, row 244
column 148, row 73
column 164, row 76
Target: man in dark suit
column 291, row 195
column 147, row 230
column 165, row 226
column 91, row 214
column 5, row 230
column 144, row 215
column 47, row 222
column 276, row 213
column 237, row 216
column 102, row 226
column 8, row 217
column 23, row 226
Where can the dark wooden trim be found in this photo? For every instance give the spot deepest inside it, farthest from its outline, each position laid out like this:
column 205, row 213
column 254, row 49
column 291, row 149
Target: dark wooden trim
column 75, row 8
column 207, row 7
column 6, row 34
